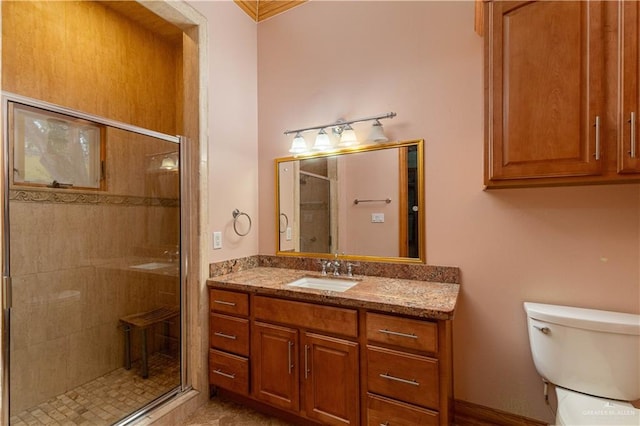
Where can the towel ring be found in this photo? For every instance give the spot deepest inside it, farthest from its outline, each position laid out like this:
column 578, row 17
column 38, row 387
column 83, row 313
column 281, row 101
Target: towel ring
column 286, row 223
column 236, row 214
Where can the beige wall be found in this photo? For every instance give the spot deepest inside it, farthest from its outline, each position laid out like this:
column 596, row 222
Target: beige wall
column 232, row 129
column 570, row 245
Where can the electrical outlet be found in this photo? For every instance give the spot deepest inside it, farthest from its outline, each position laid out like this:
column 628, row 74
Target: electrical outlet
column 217, row 240
column 288, row 234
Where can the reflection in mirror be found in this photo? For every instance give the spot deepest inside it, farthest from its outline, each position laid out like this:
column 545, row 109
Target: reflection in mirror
column 365, row 203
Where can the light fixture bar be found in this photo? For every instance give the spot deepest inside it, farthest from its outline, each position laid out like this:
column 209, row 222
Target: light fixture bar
column 342, row 123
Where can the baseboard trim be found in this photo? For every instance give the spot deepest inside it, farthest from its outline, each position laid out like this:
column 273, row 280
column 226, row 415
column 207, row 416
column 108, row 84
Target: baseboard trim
column 470, row 414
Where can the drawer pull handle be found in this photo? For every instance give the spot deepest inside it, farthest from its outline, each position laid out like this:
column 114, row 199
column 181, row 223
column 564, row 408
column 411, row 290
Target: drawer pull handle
column 397, row 333
column 223, row 374
column 306, row 361
column 384, row 424
column 289, row 356
column 398, row 379
column 226, row 336
column 223, row 302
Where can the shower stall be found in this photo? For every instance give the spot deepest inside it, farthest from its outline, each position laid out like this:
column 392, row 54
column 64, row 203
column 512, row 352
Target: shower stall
column 93, row 272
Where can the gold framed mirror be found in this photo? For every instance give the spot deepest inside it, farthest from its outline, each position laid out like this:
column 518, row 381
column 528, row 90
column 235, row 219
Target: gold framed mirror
column 364, row 203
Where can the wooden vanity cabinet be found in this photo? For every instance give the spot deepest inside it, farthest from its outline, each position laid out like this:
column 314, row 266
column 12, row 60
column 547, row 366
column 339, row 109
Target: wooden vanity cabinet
column 229, row 340
column 408, row 370
column 329, row 364
column 275, row 377
column 315, row 374
column 561, row 88
column 628, row 147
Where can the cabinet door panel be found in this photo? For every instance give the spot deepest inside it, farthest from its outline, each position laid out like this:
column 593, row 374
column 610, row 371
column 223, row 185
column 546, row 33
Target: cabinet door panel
column 275, row 375
column 331, row 379
column 544, row 89
column 628, row 148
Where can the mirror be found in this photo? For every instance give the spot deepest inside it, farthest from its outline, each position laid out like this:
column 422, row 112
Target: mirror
column 366, row 203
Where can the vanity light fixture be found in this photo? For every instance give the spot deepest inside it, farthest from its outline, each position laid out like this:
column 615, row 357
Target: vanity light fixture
column 348, row 136
column 343, row 131
column 377, row 135
column 299, row 145
column 323, row 143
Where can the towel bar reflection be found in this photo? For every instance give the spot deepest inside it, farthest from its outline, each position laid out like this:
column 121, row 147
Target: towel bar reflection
column 356, row 201
column 236, row 215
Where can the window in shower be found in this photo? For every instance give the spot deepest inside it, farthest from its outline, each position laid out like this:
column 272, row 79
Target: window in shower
column 55, row 150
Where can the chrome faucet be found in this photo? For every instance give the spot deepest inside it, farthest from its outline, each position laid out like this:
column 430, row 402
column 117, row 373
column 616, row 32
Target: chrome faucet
column 336, row 265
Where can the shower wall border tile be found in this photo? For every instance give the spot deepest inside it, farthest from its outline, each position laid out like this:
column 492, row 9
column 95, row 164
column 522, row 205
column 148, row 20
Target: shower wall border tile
column 59, row 197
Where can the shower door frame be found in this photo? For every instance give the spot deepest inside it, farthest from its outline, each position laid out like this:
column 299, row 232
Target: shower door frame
column 185, row 196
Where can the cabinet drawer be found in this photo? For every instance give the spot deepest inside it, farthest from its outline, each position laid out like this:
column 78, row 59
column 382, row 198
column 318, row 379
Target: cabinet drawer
column 307, row 315
column 383, row 411
column 229, row 302
column 229, row 333
column 402, row 332
column 229, row 371
column 407, row 377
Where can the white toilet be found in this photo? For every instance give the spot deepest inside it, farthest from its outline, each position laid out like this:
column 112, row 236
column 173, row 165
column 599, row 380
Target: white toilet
column 593, row 358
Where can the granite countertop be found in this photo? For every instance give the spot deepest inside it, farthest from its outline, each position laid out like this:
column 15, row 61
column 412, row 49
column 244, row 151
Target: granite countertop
column 401, row 296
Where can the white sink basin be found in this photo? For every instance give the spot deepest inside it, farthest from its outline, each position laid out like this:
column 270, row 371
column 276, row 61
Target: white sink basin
column 153, row 265
column 319, row 283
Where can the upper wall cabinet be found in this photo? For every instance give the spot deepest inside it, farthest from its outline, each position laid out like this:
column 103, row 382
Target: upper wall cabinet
column 628, row 150
column 551, row 93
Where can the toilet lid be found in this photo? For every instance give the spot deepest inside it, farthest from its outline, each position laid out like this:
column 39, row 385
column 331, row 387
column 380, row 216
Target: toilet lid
column 579, row 409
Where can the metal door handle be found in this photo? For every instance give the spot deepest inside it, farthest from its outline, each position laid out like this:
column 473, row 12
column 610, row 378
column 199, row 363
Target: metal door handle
column 222, row 302
column 289, row 355
column 226, row 336
column 227, row 375
column 398, row 379
column 397, row 333
column 597, row 126
column 306, row 361
column 632, row 120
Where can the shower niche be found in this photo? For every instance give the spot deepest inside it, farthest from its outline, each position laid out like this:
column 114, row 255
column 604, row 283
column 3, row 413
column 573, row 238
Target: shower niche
column 93, row 229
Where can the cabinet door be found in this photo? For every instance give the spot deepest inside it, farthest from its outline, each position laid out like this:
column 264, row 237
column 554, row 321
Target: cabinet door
column 274, row 354
column 544, row 89
column 628, row 149
column 331, row 379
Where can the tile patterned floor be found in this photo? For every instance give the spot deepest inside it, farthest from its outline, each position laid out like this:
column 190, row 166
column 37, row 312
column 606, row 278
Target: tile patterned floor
column 106, row 399
column 219, row 412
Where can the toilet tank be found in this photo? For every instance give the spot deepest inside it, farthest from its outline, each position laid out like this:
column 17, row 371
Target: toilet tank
column 586, row 350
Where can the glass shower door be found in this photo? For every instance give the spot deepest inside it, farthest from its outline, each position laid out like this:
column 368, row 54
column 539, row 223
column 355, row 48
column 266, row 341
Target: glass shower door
column 95, row 329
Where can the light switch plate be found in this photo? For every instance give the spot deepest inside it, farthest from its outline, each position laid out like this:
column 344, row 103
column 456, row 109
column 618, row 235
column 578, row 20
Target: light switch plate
column 217, row 240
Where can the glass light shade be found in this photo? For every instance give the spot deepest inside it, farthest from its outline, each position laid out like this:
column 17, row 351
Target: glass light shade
column 348, row 137
column 168, row 164
column 377, row 135
column 323, row 142
column 299, row 145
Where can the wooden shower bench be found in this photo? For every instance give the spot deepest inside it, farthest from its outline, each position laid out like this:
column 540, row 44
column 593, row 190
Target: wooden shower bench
column 144, row 321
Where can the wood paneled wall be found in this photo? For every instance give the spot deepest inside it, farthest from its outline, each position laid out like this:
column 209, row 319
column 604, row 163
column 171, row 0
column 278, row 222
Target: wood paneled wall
column 86, row 56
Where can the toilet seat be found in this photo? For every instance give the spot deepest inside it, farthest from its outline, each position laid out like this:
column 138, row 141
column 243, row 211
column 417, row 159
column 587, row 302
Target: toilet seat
column 576, row 408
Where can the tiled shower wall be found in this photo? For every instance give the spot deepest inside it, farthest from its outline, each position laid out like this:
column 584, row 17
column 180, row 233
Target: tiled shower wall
column 71, row 256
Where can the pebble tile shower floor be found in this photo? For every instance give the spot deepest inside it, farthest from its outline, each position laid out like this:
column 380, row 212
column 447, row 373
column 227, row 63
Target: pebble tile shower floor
column 107, row 399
